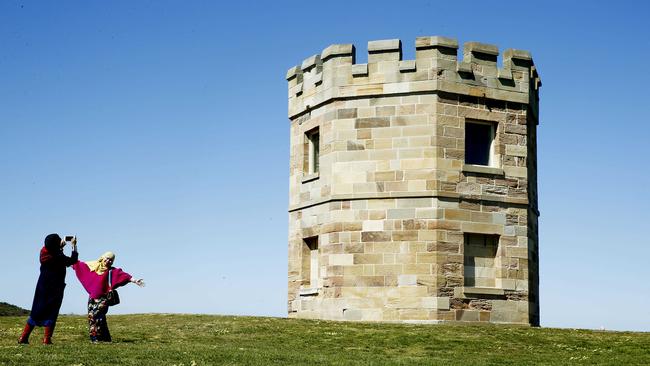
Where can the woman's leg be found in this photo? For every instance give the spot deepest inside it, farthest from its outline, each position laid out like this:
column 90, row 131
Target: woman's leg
column 24, row 338
column 92, row 323
column 98, row 328
column 93, row 310
column 47, row 333
column 106, row 334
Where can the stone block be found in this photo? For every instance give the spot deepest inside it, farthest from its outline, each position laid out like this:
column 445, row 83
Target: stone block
column 376, row 215
column 443, row 225
column 360, row 70
column 427, row 257
column 480, row 228
column 352, row 314
column 506, row 284
column 405, row 258
column 363, row 281
column 388, row 269
column 413, row 314
column 341, row 259
column 413, row 224
column 407, row 66
column 385, row 111
column 368, row 270
column 484, row 316
column 487, row 217
column 372, row 315
column 410, row 120
column 514, row 171
column 477, row 292
column 429, row 213
column 517, row 252
column 439, row 303
column 504, row 306
column 406, row 235
column 457, row 215
column 467, row 315
column 418, row 269
column 366, row 258
column 407, row 164
column 353, row 270
column 403, row 302
column 511, row 317
column 374, row 236
column 407, row 280
column 372, row 122
column 427, row 235
column 435, row 41
column 386, row 247
column 444, row 247
column 415, row 203
column 516, row 150
column 401, row 213
column 352, row 226
column 373, row 225
column 385, row 45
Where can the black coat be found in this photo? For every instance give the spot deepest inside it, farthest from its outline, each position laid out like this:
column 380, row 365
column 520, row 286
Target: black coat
column 50, row 286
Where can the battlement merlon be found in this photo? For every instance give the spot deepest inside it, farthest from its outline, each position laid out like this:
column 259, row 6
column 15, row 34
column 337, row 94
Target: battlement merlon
column 333, row 74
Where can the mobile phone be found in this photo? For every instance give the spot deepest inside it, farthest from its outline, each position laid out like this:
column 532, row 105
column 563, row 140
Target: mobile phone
column 69, row 238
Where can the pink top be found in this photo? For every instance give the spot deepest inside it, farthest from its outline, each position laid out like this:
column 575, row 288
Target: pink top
column 97, row 285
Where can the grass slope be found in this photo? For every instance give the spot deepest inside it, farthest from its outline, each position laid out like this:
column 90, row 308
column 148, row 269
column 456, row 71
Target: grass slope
column 209, row 340
column 11, row 310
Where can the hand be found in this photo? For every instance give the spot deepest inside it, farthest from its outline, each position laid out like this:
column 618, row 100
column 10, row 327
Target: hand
column 139, row 282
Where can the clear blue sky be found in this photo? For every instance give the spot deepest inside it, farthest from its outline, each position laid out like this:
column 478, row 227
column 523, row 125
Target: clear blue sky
column 159, row 130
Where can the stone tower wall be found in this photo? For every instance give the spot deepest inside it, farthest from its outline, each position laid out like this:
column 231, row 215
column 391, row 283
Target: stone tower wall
column 397, row 215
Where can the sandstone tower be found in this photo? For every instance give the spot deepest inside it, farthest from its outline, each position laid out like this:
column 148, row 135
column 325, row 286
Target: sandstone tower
column 413, row 184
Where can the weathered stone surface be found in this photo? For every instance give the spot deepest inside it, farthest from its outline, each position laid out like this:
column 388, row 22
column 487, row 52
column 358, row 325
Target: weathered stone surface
column 375, row 236
column 372, row 122
column 395, row 225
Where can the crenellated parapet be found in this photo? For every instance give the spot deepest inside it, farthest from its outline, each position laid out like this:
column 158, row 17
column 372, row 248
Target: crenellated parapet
column 334, row 75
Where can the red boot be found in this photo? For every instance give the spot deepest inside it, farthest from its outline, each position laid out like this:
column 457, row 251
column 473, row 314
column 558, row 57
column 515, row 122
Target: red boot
column 47, row 338
column 24, row 338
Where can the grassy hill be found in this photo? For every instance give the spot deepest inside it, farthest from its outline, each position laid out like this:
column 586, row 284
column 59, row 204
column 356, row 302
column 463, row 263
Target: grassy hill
column 215, row 340
column 11, row 310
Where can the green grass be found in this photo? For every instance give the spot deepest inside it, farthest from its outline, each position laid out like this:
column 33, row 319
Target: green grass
column 227, row 340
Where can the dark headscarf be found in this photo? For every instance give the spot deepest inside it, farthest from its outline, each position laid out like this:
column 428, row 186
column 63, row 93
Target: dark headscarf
column 53, row 243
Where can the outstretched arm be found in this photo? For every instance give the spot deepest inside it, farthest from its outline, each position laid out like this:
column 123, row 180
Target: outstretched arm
column 139, row 282
column 121, row 278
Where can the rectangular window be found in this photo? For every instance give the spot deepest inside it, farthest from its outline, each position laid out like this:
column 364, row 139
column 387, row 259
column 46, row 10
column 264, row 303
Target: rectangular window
column 313, row 151
column 479, row 143
column 310, row 265
column 479, row 260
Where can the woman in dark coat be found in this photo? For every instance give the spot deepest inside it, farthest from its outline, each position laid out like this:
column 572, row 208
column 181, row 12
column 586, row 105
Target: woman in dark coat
column 49, row 288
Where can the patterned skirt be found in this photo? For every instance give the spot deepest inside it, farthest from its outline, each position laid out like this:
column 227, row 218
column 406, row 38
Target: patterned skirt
column 97, row 325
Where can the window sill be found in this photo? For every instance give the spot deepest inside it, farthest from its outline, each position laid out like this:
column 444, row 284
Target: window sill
column 472, row 292
column 309, row 177
column 483, row 169
column 308, row 291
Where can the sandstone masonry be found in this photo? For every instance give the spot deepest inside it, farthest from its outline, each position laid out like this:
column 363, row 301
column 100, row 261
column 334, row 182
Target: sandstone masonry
column 413, row 184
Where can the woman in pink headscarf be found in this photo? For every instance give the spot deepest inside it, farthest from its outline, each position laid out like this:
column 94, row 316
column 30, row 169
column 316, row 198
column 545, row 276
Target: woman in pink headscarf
column 94, row 276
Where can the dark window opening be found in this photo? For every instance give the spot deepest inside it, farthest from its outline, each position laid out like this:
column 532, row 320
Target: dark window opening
column 478, row 143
